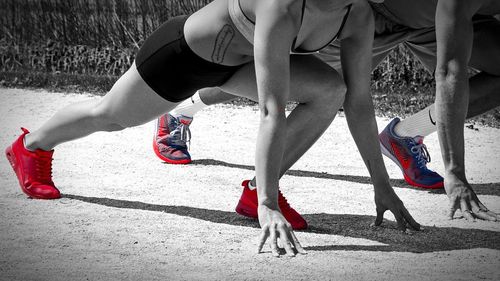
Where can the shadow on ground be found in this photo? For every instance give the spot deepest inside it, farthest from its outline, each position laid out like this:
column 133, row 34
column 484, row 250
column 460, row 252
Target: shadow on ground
column 481, row 189
column 431, row 239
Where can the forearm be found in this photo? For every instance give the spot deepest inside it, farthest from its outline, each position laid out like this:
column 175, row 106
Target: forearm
column 454, row 36
column 274, row 32
column 268, row 156
column 356, row 57
column 451, row 104
column 363, row 128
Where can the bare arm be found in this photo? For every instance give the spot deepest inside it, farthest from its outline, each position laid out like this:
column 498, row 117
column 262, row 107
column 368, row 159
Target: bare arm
column 356, row 57
column 454, row 36
column 276, row 26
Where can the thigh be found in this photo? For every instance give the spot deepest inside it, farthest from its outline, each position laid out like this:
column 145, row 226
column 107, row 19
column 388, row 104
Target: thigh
column 169, row 66
column 486, row 47
column 309, row 76
column 132, row 102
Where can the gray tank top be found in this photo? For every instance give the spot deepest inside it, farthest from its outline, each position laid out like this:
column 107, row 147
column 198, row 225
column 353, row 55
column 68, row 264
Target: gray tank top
column 247, row 27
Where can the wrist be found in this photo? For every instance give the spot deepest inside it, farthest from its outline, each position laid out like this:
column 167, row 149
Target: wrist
column 455, row 172
column 269, row 206
column 454, row 175
column 378, row 173
column 383, row 188
column 271, row 203
column 380, row 181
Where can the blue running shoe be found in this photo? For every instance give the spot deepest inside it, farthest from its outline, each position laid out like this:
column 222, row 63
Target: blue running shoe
column 411, row 155
column 171, row 138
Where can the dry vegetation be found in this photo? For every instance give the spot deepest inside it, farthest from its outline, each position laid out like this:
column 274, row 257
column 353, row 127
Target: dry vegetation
column 84, row 45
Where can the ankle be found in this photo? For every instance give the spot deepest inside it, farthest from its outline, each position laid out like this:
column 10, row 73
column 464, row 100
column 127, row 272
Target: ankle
column 31, row 143
column 252, row 184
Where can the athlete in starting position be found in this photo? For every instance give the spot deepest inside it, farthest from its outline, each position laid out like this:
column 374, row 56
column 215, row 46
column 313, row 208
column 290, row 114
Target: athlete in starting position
column 220, row 45
column 413, row 24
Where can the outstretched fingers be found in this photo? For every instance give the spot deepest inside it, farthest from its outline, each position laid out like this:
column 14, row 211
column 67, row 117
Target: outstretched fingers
column 453, row 207
column 284, row 237
column 471, row 208
column 262, row 238
column 496, row 215
column 484, row 215
column 481, row 212
column 403, row 218
column 297, row 244
column 380, row 217
column 483, row 208
column 274, row 241
column 466, row 212
column 400, row 220
column 408, row 218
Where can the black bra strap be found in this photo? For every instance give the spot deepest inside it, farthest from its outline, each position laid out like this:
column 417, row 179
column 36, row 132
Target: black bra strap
column 301, row 19
column 303, row 10
column 343, row 21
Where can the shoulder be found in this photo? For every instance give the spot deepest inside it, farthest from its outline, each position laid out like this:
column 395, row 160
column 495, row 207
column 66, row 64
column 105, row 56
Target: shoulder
column 460, row 7
column 281, row 5
column 277, row 9
column 362, row 8
column 360, row 19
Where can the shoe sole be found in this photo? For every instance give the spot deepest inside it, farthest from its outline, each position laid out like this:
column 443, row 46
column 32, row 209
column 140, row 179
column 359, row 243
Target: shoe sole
column 169, row 161
column 13, row 161
column 407, row 178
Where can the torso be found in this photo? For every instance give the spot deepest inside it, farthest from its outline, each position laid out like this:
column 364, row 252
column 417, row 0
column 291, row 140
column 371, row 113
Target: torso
column 318, row 29
column 221, row 42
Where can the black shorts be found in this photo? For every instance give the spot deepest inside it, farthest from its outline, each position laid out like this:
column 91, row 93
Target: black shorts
column 172, row 69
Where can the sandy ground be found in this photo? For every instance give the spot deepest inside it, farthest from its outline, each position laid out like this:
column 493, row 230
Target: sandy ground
column 125, row 215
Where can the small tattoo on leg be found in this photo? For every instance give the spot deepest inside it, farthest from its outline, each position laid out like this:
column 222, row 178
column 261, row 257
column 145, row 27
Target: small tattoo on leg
column 222, row 42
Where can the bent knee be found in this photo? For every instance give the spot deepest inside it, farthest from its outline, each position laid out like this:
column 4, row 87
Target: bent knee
column 332, row 95
column 332, row 90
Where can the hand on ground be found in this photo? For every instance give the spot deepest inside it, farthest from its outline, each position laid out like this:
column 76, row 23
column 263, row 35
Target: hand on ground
column 464, row 198
column 386, row 199
column 275, row 226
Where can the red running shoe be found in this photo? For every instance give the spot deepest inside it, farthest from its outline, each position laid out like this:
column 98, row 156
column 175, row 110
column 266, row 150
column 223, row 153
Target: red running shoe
column 411, row 155
column 33, row 169
column 171, row 137
column 247, row 206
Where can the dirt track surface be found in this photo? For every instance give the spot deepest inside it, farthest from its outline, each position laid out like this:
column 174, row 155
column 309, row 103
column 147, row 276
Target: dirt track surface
column 125, row 215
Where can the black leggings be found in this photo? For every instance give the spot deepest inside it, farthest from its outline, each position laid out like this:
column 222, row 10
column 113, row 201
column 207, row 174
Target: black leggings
column 172, row 69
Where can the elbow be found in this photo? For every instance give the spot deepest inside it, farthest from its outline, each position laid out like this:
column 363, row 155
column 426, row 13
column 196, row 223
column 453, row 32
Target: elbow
column 272, row 112
column 451, row 84
column 451, row 73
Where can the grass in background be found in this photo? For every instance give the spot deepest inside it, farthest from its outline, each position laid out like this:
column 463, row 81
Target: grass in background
column 84, row 45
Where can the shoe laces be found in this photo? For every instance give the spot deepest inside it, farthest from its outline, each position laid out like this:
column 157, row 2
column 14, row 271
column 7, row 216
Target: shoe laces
column 421, row 154
column 180, row 136
column 43, row 168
